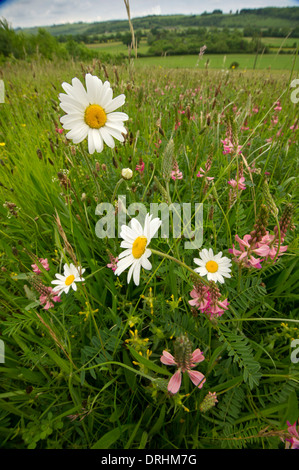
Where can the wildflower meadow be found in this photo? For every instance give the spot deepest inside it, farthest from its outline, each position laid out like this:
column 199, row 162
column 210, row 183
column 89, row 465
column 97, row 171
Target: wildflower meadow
column 149, row 249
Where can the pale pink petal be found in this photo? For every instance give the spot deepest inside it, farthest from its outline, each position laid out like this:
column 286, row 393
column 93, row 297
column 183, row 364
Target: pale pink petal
column 197, row 356
column 197, row 378
column 167, row 359
column 175, row 382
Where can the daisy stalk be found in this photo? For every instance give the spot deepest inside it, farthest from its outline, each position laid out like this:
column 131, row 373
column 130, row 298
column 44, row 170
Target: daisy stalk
column 181, row 263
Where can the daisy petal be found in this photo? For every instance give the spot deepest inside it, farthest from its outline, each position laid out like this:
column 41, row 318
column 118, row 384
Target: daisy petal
column 115, row 103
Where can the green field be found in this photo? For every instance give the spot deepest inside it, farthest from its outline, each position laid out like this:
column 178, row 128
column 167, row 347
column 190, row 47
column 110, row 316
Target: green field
column 220, row 61
column 178, row 360
column 215, row 61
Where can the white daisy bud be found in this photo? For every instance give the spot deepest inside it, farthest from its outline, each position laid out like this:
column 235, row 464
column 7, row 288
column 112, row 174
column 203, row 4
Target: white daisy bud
column 127, row 173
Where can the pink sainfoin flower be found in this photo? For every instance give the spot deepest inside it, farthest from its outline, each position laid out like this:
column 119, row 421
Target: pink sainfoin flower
column 216, row 306
column 113, row 262
column 203, row 172
column 278, row 106
column 43, row 262
column 140, row 167
column 176, row 174
column 261, row 243
column 229, row 147
column 267, row 247
column 294, row 439
column 185, row 360
column 200, row 296
column 238, row 184
column 243, row 255
column 206, row 298
column 60, row 131
column 47, row 298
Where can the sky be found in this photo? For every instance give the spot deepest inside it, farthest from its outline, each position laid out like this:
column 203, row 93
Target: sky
column 26, row 13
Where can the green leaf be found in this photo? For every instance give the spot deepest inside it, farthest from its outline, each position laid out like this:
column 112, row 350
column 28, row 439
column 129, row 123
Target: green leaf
column 106, row 441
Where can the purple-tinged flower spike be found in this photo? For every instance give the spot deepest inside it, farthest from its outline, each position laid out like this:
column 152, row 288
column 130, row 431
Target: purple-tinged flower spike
column 185, row 360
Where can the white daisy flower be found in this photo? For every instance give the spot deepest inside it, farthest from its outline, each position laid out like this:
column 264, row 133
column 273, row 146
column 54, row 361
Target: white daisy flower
column 215, row 267
column 136, row 239
column 68, row 280
column 90, row 113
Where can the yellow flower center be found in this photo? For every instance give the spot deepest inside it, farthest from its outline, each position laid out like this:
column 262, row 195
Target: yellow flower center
column 69, row 280
column 95, row 116
column 139, row 247
column 211, row 266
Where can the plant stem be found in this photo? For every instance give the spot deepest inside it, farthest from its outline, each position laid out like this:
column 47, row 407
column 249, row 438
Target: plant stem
column 181, row 263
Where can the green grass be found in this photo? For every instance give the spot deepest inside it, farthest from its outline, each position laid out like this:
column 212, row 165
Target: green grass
column 220, row 61
column 116, row 47
column 87, row 372
column 216, row 61
column 280, row 42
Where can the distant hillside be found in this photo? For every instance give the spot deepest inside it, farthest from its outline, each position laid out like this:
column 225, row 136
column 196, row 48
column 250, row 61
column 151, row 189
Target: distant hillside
column 262, row 18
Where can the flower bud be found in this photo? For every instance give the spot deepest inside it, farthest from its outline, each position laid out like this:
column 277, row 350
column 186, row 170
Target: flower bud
column 183, row 352
column 127, row 173
column 208, row 402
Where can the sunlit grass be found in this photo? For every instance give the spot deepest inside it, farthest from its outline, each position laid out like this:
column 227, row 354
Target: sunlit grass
column 87, row 373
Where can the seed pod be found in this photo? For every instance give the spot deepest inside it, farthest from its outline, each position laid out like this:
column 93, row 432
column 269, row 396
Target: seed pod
column 168, row 160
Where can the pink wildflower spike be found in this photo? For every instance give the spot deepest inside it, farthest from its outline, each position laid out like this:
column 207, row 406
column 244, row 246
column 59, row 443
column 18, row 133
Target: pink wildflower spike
column 200, row 297
column 113, row 263
column 278, row 106
column 44, row 263
column 47, row 298
column 176, row 174
column 140, row 167
column 238, row 184
column 201, row 173
column 185, row 361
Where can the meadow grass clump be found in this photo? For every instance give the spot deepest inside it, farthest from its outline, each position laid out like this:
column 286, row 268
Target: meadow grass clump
column 86, row 359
